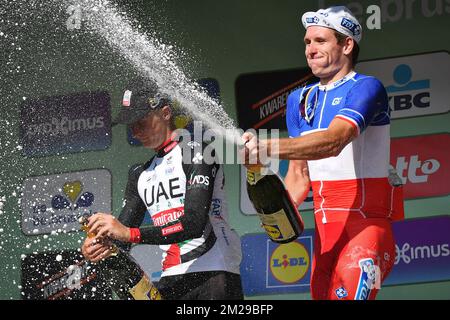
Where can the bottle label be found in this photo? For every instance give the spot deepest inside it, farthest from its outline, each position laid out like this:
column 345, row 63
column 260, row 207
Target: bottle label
column 277, row 225
column 253, row 177
column 145, row 290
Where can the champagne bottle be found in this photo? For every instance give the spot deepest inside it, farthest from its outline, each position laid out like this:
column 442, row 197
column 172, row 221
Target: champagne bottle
column 123, row 274
column 276, row 210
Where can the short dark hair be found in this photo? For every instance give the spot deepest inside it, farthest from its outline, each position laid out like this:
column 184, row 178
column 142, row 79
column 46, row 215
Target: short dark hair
column 355, row 52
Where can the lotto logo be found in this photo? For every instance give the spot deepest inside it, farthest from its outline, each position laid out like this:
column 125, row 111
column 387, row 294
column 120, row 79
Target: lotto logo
column 422, row 163
column 417, row 171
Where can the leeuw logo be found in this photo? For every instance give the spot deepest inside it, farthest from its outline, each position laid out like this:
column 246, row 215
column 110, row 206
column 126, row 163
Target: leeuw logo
column 56, row 202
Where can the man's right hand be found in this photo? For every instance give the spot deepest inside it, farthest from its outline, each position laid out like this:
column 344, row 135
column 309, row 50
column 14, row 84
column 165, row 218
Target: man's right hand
column 254, row 154
column 95, row 250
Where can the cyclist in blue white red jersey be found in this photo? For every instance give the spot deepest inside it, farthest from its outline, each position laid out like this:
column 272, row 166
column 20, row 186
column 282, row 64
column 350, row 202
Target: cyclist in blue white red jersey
column 184, row 195
column 339, row 143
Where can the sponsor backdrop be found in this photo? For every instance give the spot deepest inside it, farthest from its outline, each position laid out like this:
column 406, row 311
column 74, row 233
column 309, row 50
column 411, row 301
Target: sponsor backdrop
column 422, row 251
column 261, row 97
column 58, row 275
column 271, row 268
column 54, row 203
column 422, row 255
column 65, row 124
column 417, row 85
column 57, row 106
column 423, row 164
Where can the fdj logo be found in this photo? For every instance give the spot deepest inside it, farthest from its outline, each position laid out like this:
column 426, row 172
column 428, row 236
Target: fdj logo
column 408, row 93
column 350, row 25
column 369, row 279
column 289, row 262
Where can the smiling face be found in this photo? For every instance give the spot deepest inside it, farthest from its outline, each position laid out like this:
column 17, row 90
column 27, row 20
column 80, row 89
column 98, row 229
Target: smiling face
column 328, row 59
column 154, row 128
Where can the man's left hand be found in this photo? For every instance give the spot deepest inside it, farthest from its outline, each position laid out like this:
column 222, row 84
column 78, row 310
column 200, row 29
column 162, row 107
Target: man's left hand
column 106, row 225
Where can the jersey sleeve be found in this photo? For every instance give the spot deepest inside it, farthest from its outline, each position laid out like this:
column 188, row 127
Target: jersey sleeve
column 134, row 209
column 365, row 103
column 200, row 178
column 293, row 113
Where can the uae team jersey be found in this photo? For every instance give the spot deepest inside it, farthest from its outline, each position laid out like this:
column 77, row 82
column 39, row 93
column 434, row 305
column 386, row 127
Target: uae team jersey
column 183, row 192
column 356, row 179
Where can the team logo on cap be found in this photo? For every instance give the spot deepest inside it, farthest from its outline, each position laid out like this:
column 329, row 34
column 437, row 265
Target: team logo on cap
column 126, row 98
column 312, row 20
column 348, row 24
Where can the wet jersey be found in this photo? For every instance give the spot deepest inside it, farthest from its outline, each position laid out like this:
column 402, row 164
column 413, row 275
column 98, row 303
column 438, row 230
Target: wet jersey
column 184, row 195
column 356, row 179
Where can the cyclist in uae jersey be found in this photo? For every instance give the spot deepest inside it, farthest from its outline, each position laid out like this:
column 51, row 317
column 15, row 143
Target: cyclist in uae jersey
column 182, row 188
column 339, row 144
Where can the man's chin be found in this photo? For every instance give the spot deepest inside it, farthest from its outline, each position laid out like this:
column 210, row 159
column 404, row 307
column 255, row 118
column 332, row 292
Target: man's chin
column 317, row 72
column 320, row 73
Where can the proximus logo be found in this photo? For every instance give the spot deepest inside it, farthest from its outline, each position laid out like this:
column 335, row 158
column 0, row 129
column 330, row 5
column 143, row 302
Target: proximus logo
column 63, row 126
column 408, row 253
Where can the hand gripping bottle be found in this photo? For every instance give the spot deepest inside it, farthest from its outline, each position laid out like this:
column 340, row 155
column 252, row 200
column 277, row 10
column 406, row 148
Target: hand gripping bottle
column 397, row 205
column 276, row 210
column 124, row 276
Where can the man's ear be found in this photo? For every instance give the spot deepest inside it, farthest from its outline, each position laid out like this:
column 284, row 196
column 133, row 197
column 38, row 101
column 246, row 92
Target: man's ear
column 166, row 112
column 348, row 45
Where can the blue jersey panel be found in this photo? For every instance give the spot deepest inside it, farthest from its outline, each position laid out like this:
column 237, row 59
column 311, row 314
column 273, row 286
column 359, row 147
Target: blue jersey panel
column 293, row 113
column 361, row 99
column 367, row 103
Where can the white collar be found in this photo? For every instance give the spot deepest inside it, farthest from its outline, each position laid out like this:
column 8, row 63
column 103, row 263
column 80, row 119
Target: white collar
column 337, row 83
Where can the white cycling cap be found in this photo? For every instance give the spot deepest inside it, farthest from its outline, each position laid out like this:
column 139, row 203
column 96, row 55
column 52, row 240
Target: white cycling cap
column 339, row 18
